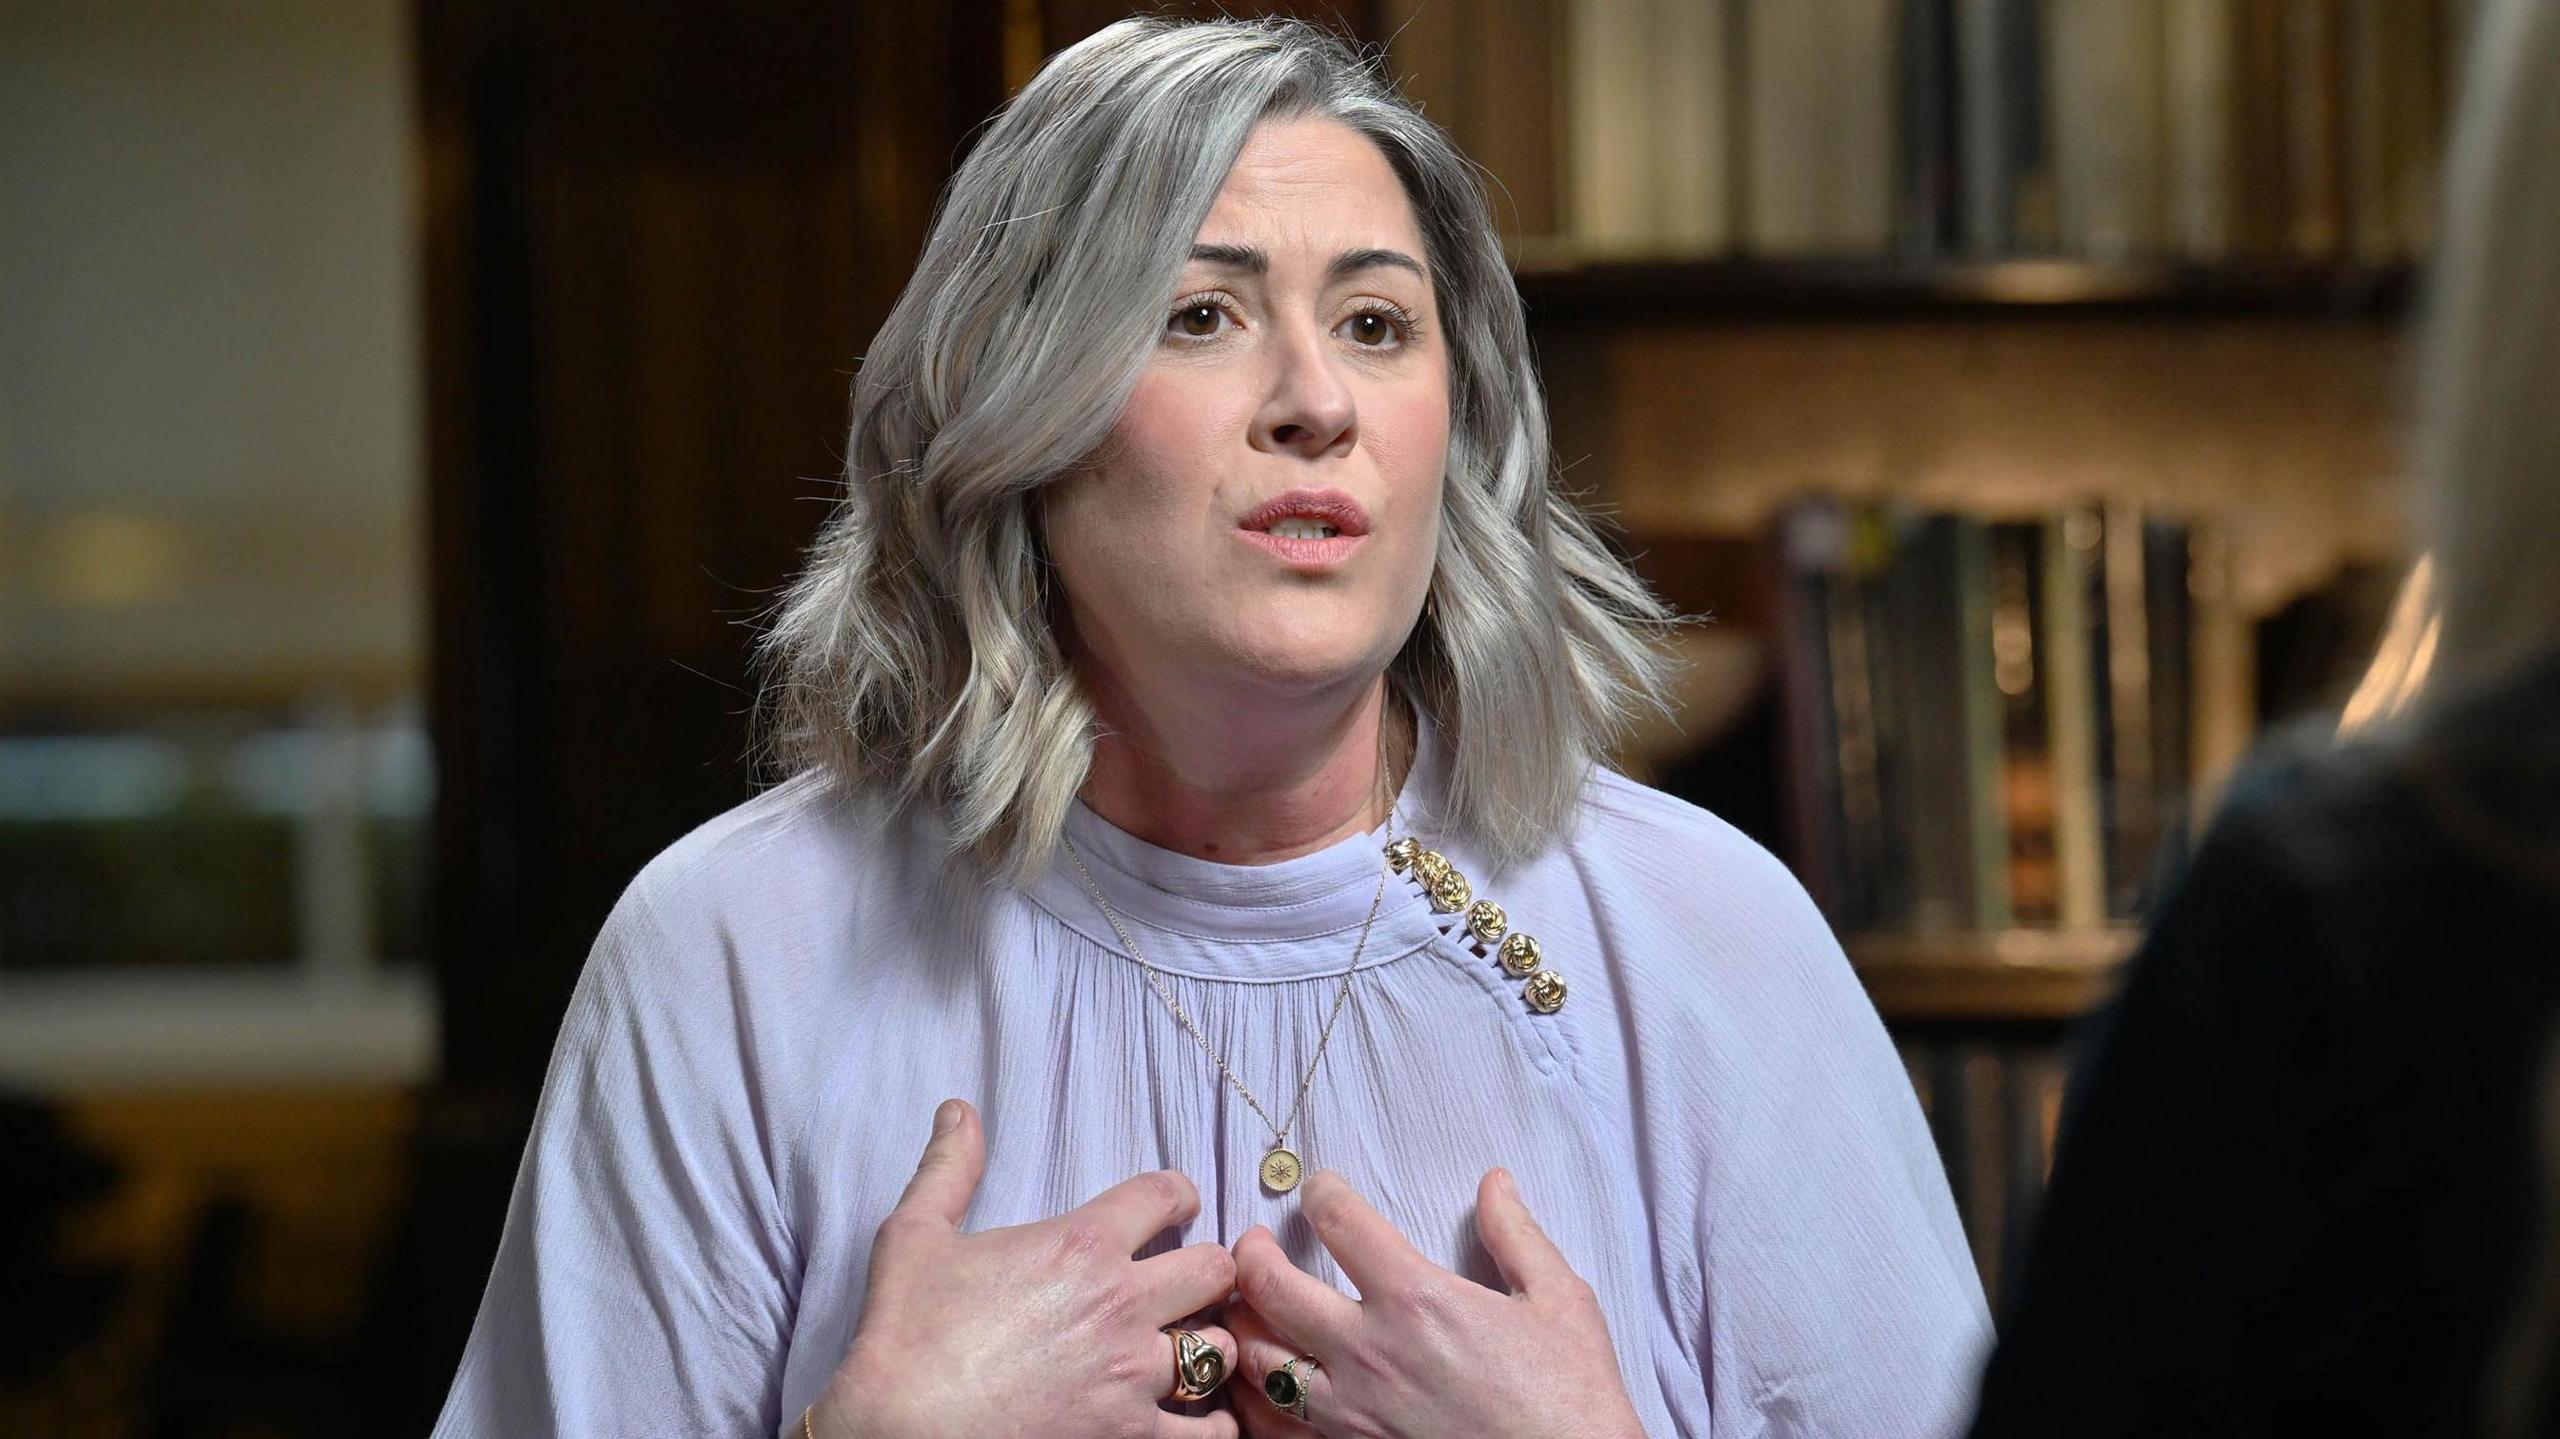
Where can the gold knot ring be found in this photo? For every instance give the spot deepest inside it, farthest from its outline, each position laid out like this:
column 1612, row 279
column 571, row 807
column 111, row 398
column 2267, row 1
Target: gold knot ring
column 1199, row 1366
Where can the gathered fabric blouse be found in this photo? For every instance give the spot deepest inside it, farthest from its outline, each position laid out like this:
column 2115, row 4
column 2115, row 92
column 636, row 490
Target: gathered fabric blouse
column 1713, row 1127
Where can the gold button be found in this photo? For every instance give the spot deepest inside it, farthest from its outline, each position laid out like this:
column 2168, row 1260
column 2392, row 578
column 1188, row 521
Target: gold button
column 1545, row 991
column 1520, row 955
column 1429, row 865
column 1450, row 892
column 1400, row 853
column 1486, row 921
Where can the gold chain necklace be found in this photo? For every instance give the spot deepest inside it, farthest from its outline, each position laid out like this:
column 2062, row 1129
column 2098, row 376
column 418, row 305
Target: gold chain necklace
column 1281, row 1166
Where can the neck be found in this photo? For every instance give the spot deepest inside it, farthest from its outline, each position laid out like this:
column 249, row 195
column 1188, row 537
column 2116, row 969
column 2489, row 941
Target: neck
column 1245, row 784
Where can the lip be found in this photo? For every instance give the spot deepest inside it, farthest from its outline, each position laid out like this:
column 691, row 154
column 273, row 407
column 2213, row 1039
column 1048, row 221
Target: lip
column 1333, row 507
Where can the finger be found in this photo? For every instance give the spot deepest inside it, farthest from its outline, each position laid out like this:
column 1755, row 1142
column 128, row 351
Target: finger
column 1141, row 1207
column 1217, row 1337
column 1216, row 1424
column 1259, row 1350
column 1189, row 1279
column 955, row 1158
column 1301, row 1308
column 1530, row 1261
column 1373, row 1254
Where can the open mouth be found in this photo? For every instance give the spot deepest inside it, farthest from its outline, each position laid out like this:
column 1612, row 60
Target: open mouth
column 1308, row 515
column 1311, row 531
column 1296, row 528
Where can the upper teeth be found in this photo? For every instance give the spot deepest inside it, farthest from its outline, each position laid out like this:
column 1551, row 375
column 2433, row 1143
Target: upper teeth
column 1303, row 530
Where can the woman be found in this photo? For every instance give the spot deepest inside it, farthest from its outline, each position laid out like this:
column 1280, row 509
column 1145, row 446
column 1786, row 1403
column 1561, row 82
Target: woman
column 1193, row 706
column 2295, row 1188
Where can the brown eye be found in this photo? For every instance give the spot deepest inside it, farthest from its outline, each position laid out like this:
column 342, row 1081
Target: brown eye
column 1371, row 329
column 1197, row 321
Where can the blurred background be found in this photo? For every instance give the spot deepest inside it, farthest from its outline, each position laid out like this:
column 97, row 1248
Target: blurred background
column 406, row 408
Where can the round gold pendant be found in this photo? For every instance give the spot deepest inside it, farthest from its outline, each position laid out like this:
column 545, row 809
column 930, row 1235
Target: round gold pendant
column 1280, row 1171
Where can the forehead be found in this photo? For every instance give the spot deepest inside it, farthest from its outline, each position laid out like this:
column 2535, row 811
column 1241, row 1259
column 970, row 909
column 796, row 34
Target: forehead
column 1315, row 182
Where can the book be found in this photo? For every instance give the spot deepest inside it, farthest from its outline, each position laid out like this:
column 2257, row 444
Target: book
column 2314, row 133
column 2197, row 126
column 1937, row 785
column 1928, row 218
column 1610, row 126
column 1984, row 727
column 2106, row 63
column 2073, row 670
column 1783, row 53
column 1691, row 86
column 2026, row 756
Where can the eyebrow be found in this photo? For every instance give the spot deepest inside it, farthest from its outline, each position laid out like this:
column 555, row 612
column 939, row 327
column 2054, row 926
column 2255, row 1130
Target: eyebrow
column 1256, row 261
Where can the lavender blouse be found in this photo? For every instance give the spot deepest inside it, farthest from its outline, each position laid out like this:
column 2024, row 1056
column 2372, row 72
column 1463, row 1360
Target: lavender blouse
column 1713, row 1127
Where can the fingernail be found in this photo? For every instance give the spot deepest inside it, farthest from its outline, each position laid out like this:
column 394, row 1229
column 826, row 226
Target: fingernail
column 945, row 1117
column 1509, row 1185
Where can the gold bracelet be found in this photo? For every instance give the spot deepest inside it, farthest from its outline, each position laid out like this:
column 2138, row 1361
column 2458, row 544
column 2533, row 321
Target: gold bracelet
column 807, row 1429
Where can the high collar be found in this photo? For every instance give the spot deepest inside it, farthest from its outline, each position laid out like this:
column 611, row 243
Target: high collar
column 1255, row 923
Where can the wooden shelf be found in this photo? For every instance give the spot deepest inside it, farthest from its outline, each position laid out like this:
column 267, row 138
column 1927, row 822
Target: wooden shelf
column 2012, row 976
column 1615, row 293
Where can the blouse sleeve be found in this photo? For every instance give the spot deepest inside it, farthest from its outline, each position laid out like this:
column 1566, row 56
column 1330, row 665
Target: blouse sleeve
column 1839, row 1297
column 643, row 1284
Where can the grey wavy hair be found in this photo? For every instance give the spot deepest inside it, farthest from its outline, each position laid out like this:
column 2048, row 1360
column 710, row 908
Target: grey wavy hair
column 917, row 653
column 2488, row 437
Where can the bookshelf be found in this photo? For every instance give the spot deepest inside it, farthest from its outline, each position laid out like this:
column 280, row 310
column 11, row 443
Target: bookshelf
column 1620, row 293
column 2030, row 268
column 2013, row 976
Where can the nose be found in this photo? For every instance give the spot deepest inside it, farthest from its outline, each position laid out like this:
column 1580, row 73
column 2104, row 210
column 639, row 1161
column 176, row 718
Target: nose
column 1308, row 411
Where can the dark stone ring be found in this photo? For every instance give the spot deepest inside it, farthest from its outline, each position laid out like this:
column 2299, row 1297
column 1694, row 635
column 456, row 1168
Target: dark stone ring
column 1288, row 1388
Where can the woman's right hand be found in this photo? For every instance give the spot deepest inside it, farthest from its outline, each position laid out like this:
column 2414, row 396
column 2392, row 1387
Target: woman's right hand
column 1047, row 1329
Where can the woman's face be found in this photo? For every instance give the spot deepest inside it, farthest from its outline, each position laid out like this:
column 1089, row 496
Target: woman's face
column 1263, row 519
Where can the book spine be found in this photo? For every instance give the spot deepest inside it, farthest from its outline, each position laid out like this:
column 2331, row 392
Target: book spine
column 1930, row 219
column 2132, row 789
column 2313, row 135
column 1691, row 119
column 1864, row 857
column 1609, row 127
column 2105, row 119
column 1853, row 118
column 2071, row 674
column 1986, row 162
column 2224, row 670
column 2168, row 568
column 2197, row 81
column 2027, row 780
column 1805, row 545
column 1983, row 713
column 1936, row 795
column 1518, row 113
column 2373, row 212
column 2258, row 128
column 1788, row 176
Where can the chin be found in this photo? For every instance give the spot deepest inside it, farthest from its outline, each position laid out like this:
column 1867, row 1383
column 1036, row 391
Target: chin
column 1304, row 665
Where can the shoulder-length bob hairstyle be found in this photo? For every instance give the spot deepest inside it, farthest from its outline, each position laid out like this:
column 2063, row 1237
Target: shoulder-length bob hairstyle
column 917, row 652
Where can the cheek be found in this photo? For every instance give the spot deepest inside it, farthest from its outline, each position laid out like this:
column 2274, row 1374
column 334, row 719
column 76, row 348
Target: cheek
column 1409, row 436
column 1175, row 421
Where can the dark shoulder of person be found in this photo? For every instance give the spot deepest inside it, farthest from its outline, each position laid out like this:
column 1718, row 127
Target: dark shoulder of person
column 2296, row 1183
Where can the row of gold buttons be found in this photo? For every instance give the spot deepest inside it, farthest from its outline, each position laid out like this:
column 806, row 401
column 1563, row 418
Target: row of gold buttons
column 1449, row 891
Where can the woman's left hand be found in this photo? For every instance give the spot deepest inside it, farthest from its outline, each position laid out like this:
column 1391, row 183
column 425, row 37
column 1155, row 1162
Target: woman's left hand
column 1423, row 1351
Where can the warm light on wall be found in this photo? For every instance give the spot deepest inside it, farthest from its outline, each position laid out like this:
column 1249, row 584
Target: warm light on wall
column 105, row 560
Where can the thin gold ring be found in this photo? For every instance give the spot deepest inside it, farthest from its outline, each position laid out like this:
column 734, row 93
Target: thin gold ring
column 1199, row 1366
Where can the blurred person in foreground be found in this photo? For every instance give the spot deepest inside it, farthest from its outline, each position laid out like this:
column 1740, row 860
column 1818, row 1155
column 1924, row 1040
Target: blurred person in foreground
column 1193, row 709
column 2295, row 1190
